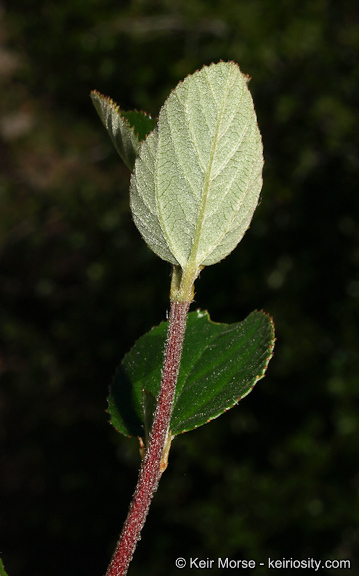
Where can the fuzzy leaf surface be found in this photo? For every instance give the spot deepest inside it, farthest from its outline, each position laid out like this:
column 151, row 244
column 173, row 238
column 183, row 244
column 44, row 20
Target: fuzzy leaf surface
column 198, row 177
column 220, row 365
column 126, row 129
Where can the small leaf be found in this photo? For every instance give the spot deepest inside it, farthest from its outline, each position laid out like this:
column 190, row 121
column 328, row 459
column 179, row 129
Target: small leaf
column 198, row 176
column 126, row 129
column 2, row 569
column 220, row 365
column 141, row 122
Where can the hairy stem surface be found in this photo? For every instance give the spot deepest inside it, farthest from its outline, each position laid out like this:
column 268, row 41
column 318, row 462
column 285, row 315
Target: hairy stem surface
column 150, row 471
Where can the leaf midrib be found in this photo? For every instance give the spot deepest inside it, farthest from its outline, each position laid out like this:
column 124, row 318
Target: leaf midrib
column 192, row 260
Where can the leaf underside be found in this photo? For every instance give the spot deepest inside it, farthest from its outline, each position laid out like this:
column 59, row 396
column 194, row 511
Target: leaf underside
column 198, row 176
column 220, row 365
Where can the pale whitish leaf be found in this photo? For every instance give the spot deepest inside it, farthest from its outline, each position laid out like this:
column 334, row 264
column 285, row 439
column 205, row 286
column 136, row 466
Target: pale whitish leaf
column 144, row 205
column 198, row 177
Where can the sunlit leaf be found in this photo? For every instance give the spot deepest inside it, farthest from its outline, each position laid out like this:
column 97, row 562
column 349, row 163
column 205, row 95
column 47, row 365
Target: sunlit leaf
column 198, row 176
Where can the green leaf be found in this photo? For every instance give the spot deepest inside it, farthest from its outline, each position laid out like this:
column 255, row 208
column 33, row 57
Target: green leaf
column 141, row 123
column 198, row 176
column 126, row 129
column 2, row 569
column 220, row 365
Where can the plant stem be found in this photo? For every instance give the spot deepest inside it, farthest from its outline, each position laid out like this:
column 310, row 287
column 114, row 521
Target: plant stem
column 151, row 469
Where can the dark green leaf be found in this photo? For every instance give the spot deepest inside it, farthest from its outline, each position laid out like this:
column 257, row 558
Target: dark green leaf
column 141, row 122
column 220, row 365
column 126, row 129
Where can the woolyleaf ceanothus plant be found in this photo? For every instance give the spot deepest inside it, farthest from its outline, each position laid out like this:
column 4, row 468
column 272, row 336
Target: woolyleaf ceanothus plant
column 196, row 180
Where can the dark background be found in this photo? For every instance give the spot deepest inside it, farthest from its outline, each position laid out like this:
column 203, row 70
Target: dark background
column 277, row 476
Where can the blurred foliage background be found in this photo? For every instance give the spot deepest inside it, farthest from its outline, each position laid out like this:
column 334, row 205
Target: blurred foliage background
column 277, row 476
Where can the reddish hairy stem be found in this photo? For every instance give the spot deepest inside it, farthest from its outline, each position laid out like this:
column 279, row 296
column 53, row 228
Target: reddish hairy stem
column 150, row 471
